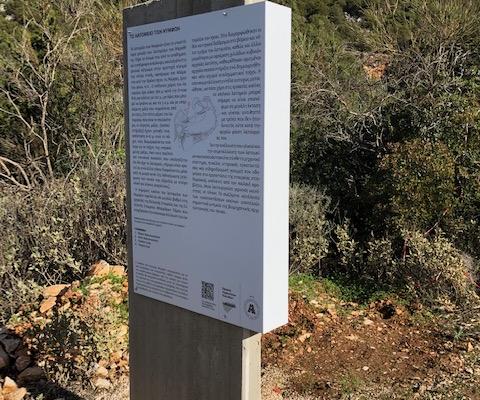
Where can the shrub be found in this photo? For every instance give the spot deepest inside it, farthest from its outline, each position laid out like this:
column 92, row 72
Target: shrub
column 381, row 264
column 87, row 327
column 346, row 247
column 434, row 269
column 53, row 232
column 429, row 268
column 308, row 227
column 422, row 183
column 60, row 88
column 14, row 294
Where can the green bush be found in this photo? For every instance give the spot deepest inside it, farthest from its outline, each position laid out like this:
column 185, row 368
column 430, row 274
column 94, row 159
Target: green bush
column 308, row 227
column 60, row 88
column 347, row 248
column 429, row 268
column 52, row 233
column 435, row 270
column 395, row 151
column 86, row 327
column 381, row 264
column 422, row 183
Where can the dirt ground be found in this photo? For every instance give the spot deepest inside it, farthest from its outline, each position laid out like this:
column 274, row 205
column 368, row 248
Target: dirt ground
column 333, row 349
column 343, row 351
column 338, row 350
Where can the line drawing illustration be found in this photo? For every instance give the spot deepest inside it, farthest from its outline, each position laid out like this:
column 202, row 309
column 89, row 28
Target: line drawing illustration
column 195, row 121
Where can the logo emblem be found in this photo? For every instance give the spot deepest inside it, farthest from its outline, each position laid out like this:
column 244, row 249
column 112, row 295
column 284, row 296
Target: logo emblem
column 251, row 308
column 228, row 307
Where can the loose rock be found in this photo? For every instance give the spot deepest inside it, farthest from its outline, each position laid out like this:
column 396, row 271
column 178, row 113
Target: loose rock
column 31, row 374
column 10, row 344
column 102, row 383
column 47, row 304
column 99, row 269
column 22, row 362
column 470, row 347
column 54, row 290
column 118, row 270
column 9, row 386
column 101, row 372
column 19, row 394
column 4, row 358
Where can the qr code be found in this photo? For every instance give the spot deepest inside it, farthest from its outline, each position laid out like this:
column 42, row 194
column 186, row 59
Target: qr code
column 208, row 291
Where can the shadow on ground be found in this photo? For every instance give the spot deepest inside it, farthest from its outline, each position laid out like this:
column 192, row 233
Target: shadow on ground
column 51, row 391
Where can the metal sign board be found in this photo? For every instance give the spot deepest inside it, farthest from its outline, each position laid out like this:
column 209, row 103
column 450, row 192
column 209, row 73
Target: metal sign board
column 209, row 100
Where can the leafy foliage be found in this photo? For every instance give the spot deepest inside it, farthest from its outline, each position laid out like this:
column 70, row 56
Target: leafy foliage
column 385, row 139
column 384, row 121
column 422, row 183
column 52, row 233
column 308, row 227
column 60, row 100
column 86, row 329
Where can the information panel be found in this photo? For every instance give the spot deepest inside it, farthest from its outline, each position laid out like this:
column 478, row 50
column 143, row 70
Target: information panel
column 209, row 100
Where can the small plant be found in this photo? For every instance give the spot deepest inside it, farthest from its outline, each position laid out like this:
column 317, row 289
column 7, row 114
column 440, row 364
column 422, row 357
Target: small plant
column 308, row 227
column 304, row 284
column 86, row 327
column 350, row 384
column 459, row 334
column 346, row 245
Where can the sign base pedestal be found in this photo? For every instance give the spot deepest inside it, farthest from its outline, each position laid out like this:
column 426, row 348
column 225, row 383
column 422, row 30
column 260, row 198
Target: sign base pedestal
column 176, row 354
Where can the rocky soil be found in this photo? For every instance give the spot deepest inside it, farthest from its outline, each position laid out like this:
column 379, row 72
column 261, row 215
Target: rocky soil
column 73, row 345
column 384, row 350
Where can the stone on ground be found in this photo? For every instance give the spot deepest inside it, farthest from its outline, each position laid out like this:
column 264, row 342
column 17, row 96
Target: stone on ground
column 100, row 268
column 4, row 358
column 31, row 374
column 54, row 290
column 47, row 304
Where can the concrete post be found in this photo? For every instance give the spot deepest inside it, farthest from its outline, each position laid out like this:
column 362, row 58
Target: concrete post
column 176, row 354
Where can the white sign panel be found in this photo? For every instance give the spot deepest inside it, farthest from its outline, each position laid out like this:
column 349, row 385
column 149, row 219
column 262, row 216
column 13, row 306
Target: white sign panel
column 209, row 160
